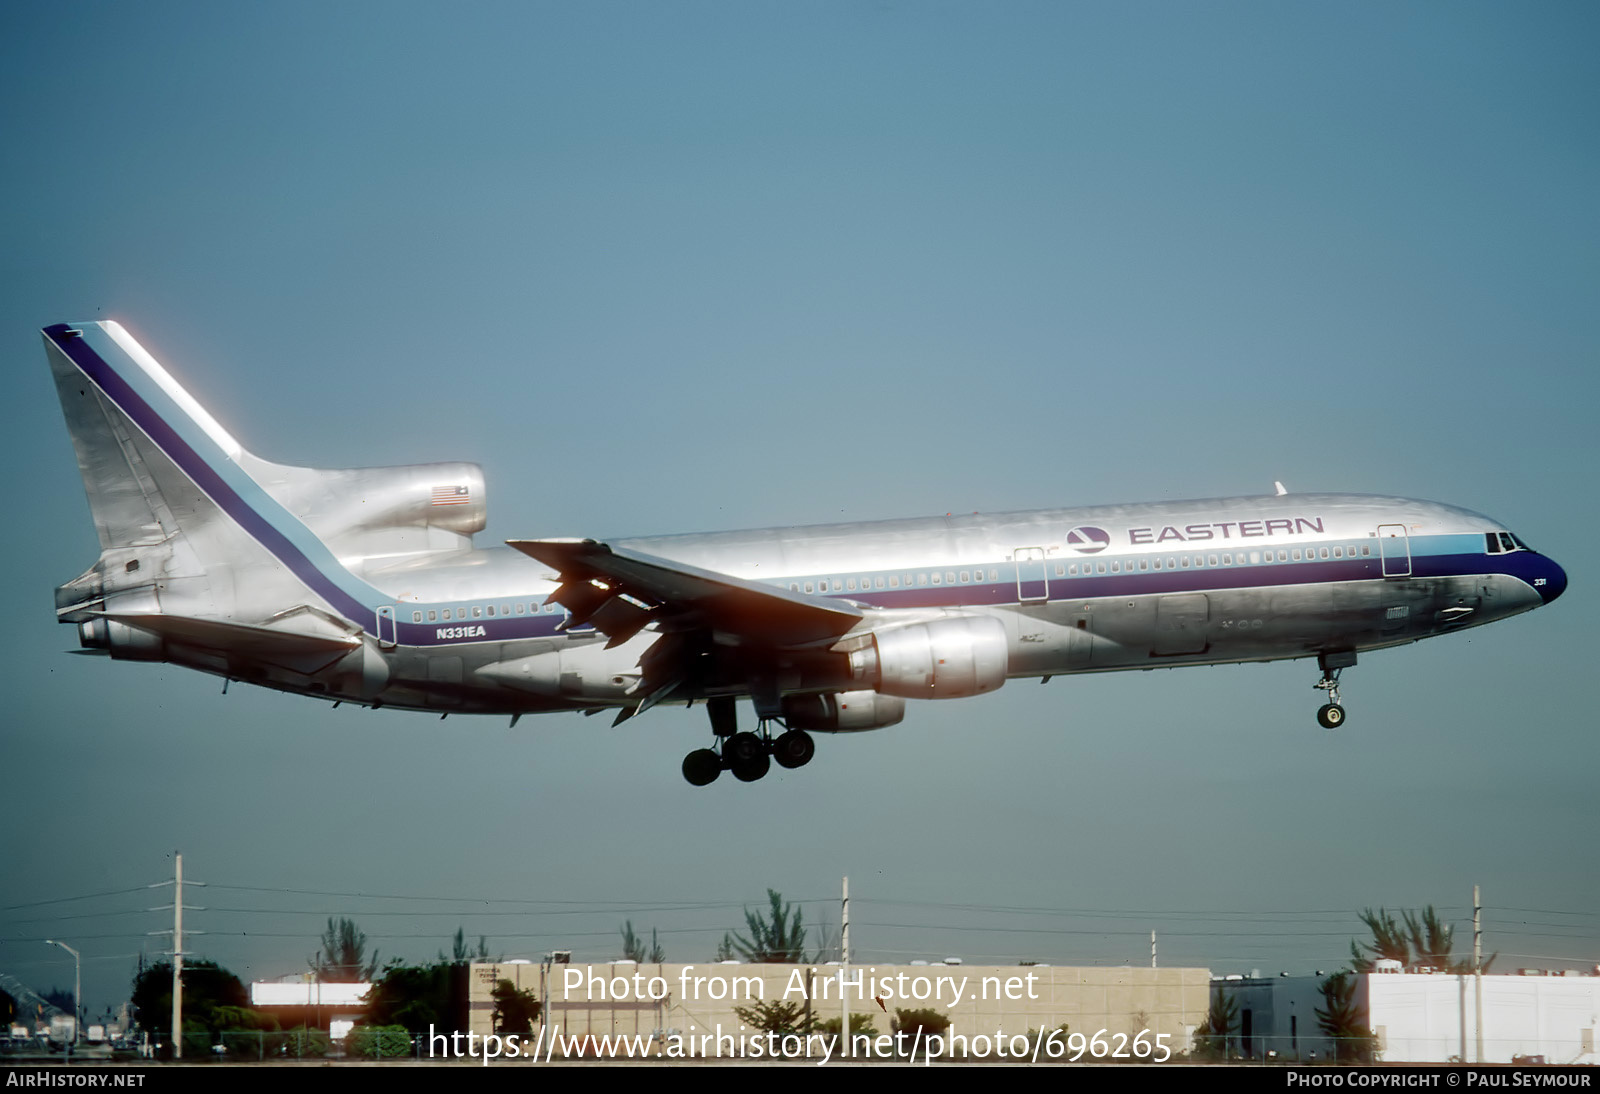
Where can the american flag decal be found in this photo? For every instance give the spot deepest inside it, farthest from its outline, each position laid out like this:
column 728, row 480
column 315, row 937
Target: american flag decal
column 449, row 495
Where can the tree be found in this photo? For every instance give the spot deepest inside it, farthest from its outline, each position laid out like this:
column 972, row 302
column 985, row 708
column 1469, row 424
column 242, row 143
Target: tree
column 861, row 1025
column 460, row 954
column 633, row 947
column 1345, row 1022
column 514, row 1011
column 1211, row 1037
column 214, row 1000
column 419, row 997
column 1419, row 940
column 779, row 939
column 917, row 1025
column 343, row 957
column 777, row 1017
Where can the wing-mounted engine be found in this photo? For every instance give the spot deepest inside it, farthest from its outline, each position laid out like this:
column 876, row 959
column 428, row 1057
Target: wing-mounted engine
column 374, row 517
column 949, row 658
column 842, row 712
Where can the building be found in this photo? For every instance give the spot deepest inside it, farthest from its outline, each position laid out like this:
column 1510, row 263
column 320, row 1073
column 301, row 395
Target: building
column 628, row 999
column 1421, row 1017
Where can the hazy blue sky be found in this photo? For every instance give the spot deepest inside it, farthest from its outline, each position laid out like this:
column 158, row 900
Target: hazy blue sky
column 669, row 267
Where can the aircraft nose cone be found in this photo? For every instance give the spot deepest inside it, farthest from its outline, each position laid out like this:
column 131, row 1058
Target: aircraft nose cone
column 1555, row 580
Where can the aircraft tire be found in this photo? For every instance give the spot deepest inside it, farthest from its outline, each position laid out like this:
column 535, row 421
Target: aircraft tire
column 1331, row 716
column 701, row 767
column 748, row 771
column 794, row 749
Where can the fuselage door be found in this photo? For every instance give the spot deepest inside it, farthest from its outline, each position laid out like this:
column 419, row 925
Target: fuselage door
column 1032, row 581
column 1395, row 547
column 386, row 629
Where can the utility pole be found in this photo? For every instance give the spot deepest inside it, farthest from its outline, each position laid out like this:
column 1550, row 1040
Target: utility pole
column 1477, row 968
column 177, row 959
column 844, row 969
column 177, row 949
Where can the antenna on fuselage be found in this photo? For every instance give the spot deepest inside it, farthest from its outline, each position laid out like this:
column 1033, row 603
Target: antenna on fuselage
column 1279, row 487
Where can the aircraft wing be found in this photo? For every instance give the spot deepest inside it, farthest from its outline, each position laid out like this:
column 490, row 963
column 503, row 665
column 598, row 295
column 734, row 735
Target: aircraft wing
column 620, row 591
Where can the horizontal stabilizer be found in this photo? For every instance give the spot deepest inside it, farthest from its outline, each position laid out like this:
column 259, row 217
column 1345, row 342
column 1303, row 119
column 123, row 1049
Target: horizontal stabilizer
column 235, row 638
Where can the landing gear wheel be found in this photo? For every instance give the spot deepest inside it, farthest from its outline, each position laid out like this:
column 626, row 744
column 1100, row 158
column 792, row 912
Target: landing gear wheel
column 745, row 755
column 794, row 749
column 701, row 767
column 1331, row 716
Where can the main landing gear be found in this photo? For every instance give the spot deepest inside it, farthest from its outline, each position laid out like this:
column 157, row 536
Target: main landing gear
column 1331, row 714
column 748, row 755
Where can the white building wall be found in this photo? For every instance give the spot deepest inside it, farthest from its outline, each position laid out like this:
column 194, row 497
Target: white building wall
column 1433, row 1018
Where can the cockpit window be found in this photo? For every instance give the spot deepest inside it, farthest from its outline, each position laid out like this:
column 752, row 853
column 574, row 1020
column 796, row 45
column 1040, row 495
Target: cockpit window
column 1500, row 543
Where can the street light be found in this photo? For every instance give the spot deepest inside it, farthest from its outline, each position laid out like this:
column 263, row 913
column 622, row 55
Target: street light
column 77, row 989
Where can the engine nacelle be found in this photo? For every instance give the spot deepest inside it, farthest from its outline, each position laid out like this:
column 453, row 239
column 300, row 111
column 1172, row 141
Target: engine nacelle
column 945, row 659
column 589, row 671
column 122, row 642
column 842, row 711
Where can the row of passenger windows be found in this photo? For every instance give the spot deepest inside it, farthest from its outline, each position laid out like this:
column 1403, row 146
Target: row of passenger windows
column 894, row 581
column 1226, row 558
column 1086, row 569
column 480, row 611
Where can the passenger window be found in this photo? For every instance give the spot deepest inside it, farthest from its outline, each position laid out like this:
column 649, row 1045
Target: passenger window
column 1324, row 552
column 1116, row 567
column 1211, row 560
column 477, row 612
column 936, row 577
column 877, row 583
column 1099, row 567
column 809, row 588
column 1338, row 552
column 1144, row 564
column 416, row 617
column 1227, row 560
column 922, row 579
column 432, row 615
column 850, row 584
column 491, row 611
column 1255, row 557
column 894, row 581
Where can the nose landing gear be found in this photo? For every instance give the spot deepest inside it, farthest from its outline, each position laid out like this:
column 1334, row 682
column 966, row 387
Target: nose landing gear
column 1331, row 714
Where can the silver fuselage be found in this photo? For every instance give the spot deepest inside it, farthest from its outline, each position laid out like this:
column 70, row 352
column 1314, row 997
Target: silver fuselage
column 366, row 586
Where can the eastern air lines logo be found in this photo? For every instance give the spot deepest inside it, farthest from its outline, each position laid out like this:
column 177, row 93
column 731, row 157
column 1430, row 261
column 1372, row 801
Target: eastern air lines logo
column 1087, row 539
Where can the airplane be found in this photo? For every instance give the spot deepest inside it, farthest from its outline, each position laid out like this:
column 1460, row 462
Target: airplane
column 364, row 586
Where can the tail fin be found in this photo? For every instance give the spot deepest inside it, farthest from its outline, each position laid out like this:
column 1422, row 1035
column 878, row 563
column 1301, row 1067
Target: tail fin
column 192, row 524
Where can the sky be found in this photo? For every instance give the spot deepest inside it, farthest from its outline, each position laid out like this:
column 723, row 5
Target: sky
column 697, row 266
